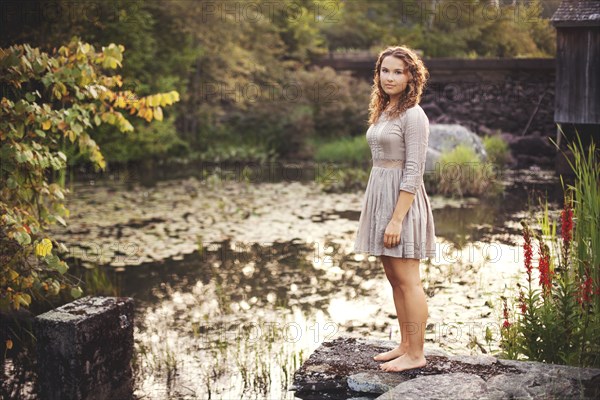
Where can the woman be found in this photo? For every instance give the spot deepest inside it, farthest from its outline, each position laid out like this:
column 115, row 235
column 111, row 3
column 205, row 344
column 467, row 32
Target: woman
column 396, row 222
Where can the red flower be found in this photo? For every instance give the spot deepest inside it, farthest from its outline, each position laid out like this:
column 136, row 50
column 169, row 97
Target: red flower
column 544, row 268
column 566, row 230
column 586, row 289
column 506, row 324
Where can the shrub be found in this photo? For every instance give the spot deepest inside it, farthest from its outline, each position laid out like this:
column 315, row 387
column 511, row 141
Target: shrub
column 51, row 107
column 460, row 172
column 496, row 149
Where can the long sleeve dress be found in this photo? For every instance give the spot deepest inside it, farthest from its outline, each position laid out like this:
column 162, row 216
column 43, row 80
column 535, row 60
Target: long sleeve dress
column 398, row 148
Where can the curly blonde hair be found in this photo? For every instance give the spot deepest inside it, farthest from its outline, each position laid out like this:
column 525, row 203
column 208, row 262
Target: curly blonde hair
column 414, row 88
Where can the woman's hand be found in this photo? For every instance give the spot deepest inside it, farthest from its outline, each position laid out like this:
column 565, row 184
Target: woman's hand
column 391, row 237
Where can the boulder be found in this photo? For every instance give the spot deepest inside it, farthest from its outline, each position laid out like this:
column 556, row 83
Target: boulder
column 374, row 382
column 344, row 368
column 446, row 137
column 533, row 146
column 457, row 385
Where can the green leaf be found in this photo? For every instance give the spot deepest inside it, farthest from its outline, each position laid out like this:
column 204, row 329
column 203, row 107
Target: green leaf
column 11, row 183
column 40, row 133
column 22, row 238
column 76, row 292
column 62, row 267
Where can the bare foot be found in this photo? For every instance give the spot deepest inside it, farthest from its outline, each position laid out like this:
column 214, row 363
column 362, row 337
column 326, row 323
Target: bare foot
column 390, row 355
column 403, row 363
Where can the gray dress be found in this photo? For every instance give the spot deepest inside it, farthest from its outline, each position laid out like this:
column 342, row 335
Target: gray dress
column 398, row 149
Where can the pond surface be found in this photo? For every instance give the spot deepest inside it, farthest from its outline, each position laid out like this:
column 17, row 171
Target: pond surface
column 237, row 283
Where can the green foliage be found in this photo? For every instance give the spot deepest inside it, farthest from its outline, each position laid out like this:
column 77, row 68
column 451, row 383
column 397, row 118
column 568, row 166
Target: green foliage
column 53, row 104
column 338, row 101
column 148, row 140
column 444, row 28
column 347, row 149
column 460, row 172
column 496, row 149
column 565, row 303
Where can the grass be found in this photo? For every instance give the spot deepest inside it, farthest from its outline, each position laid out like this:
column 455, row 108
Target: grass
column 344, row 150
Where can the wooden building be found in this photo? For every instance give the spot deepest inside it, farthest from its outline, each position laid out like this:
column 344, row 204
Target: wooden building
column 577, row 95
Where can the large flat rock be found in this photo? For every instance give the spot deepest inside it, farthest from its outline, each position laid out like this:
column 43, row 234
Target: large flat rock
column 344, row 368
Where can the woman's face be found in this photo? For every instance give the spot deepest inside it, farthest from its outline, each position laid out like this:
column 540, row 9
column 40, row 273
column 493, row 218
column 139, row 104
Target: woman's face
column 394, row 76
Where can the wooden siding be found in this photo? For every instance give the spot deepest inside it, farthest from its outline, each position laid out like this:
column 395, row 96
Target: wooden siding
column 578, row 76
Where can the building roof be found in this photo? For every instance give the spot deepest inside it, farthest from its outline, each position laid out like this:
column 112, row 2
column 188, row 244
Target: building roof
column 577, row 13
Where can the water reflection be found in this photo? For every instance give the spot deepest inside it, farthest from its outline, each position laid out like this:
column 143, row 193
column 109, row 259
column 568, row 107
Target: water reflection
column 242, row 320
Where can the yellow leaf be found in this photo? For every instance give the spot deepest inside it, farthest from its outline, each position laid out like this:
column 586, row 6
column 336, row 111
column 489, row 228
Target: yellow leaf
column 148, row 114
column 43, row 248
column 150, row 101
column 46, row 124
column 9, row 344
column 126, row 126
column 16, row 301
column 120, row 102
column 158, row 114
column 166, row 99
column 135, row 104
column 25, row 299
column 12, row 274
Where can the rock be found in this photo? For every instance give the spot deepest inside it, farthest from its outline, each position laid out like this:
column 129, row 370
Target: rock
column 84, row 349
column 509, row 138
column 344, row 368
column 330, row 366
column 532, row 385
column 475, row 360
column 484, row 130
column 374, row 382
column 533, row 145
column 450, row 386
column 526, row 161
column 446, row 137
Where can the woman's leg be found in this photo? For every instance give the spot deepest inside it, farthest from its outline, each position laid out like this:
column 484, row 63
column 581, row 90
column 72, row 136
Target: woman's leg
column 400, row 313
column 404, row 273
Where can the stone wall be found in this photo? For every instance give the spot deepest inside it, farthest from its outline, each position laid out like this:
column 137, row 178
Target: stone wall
column 513, row 96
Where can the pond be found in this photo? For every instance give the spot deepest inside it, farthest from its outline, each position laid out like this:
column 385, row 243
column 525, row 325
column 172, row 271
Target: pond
column 237, row 283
